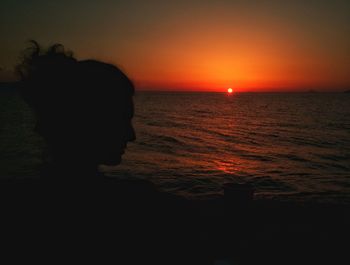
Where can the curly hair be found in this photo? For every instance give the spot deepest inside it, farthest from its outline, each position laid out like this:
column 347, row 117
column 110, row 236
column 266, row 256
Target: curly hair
column 81, row 107
column 34, row 57
column 40, row 69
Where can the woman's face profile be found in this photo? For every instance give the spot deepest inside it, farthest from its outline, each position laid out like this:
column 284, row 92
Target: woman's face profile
column 84, row 108
column 116, row 142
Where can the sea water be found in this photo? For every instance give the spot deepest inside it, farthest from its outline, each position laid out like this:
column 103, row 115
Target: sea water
column 293, row 146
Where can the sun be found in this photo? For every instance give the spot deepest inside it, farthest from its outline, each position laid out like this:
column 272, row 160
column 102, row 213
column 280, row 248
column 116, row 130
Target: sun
column 229, row 90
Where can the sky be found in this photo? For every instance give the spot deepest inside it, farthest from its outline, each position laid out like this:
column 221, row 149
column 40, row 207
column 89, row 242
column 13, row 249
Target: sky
column 190, row 45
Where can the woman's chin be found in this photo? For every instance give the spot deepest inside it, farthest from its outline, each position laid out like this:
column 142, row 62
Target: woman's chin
column 108, row 166
column 112, row 162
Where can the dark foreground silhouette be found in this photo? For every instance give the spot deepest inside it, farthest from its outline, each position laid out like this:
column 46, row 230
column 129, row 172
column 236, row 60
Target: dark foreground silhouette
column 131, row 222
column 74, row 214
column 83, row 111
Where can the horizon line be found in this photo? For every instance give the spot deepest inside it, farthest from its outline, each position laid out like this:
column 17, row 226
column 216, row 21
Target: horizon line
column 245, row 91
column 223, row 90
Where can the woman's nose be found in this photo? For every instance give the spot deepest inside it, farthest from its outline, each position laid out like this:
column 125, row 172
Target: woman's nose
column 131, row 134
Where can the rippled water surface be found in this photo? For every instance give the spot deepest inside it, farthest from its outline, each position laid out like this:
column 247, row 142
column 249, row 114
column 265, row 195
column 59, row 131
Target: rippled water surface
column 289, row 146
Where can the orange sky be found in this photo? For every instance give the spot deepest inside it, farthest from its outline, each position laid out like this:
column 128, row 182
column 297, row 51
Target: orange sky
column 203, row 45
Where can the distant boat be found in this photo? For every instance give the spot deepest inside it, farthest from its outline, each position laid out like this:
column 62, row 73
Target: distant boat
column 311, row 91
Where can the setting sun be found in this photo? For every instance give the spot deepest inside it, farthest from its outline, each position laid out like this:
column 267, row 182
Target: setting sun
column 230, row 90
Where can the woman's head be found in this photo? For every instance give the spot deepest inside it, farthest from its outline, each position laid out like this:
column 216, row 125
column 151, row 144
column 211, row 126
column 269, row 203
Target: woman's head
column 83, row 108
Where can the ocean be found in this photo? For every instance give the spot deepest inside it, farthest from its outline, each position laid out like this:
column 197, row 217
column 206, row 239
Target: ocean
column 288, row 146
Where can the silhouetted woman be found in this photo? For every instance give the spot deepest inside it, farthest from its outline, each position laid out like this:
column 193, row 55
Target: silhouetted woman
column 83, row 110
